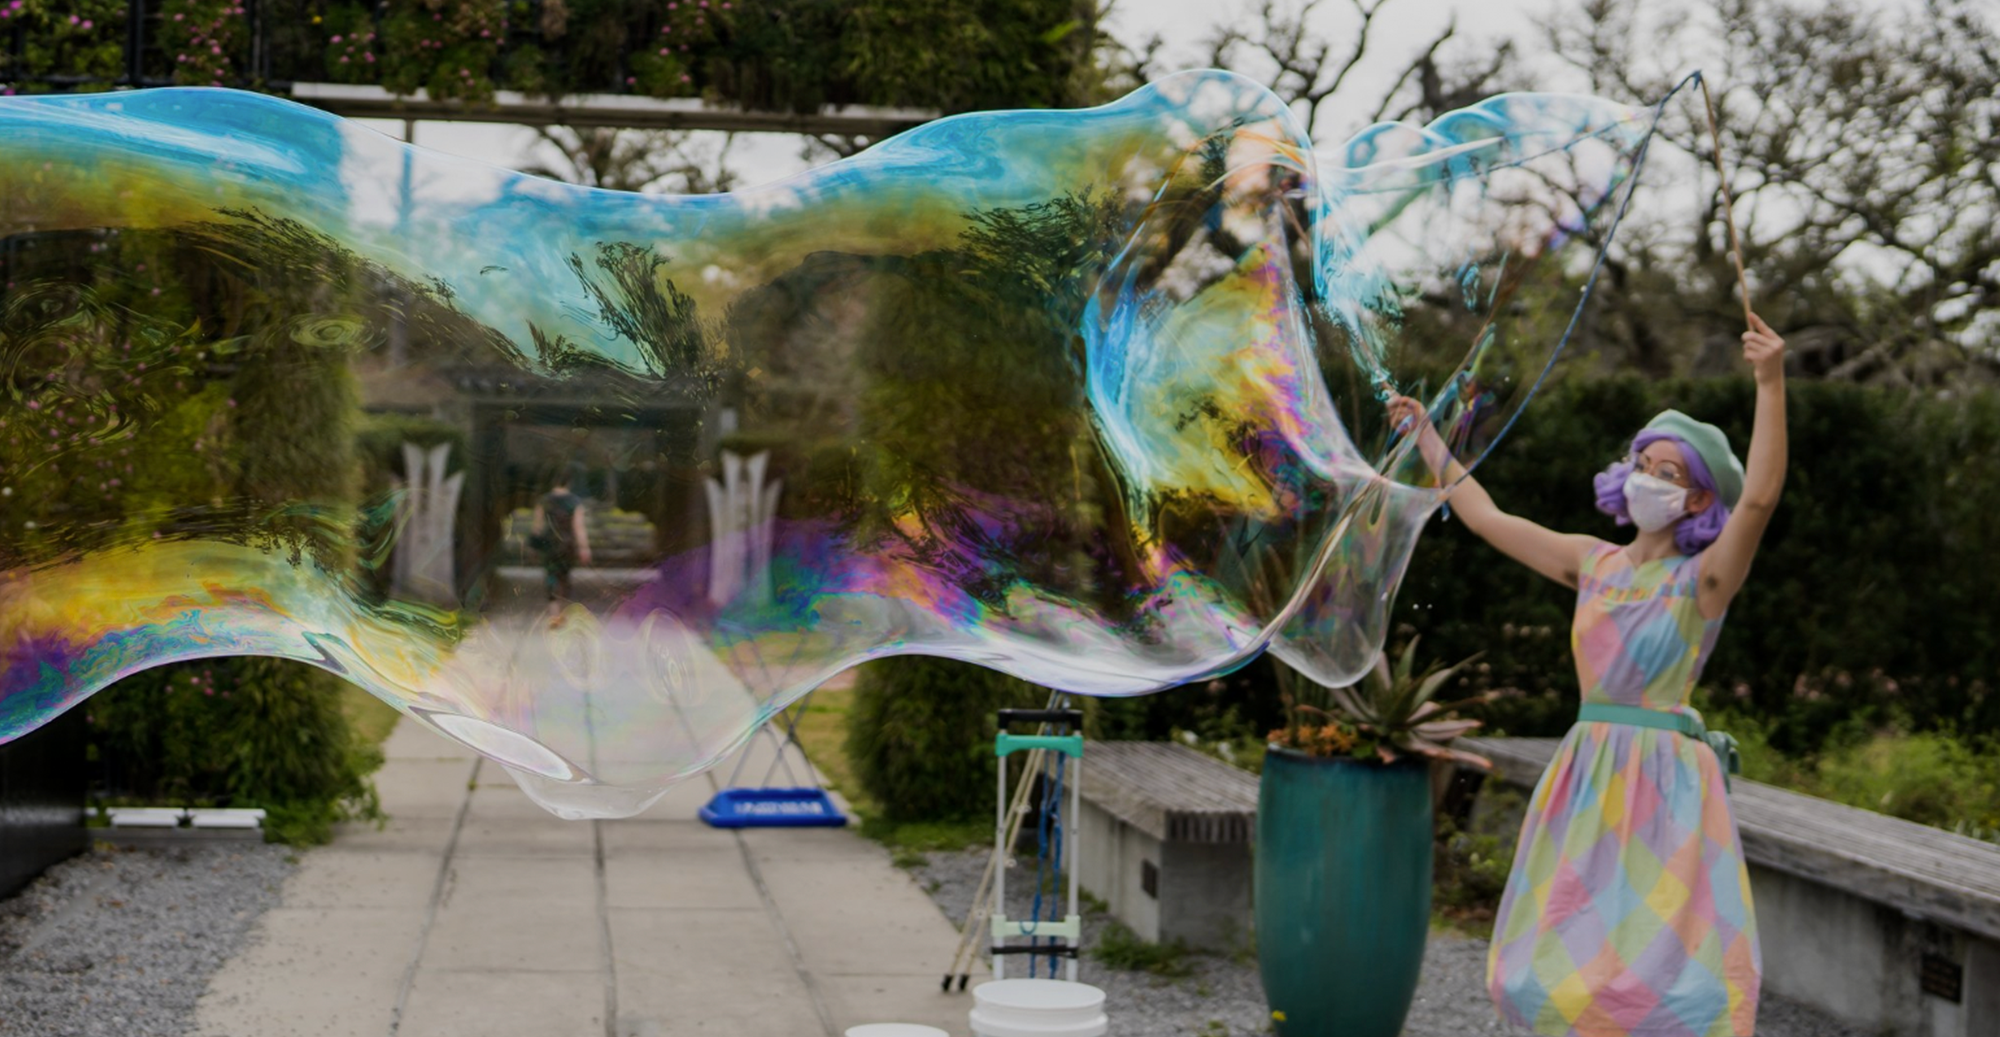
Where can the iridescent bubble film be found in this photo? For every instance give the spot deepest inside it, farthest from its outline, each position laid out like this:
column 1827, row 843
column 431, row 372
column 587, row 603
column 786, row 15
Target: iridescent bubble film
column 1091, row 397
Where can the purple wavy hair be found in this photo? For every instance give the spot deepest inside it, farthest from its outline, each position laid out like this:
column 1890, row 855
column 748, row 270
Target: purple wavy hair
column 1693, row 533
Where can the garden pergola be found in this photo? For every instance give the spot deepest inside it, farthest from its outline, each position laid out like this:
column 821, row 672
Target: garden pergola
column 614, row 111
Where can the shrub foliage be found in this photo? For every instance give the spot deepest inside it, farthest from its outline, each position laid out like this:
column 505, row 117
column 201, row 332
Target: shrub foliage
column 920, row 735
column 247, row 732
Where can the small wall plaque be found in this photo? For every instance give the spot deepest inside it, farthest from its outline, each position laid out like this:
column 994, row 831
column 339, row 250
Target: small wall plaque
column 1941, row 977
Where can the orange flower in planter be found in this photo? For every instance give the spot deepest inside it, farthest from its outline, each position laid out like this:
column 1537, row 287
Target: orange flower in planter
column 1393, row 713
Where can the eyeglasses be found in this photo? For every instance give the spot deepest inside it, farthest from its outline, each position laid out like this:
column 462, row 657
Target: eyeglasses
column 1666, row 471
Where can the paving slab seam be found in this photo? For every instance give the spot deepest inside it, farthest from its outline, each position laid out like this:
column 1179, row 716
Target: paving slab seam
column 487, row 970
column 784, row 931
column 604, row 935
column 436, row 900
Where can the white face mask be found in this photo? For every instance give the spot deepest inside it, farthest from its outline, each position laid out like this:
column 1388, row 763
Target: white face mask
column 1654, row 504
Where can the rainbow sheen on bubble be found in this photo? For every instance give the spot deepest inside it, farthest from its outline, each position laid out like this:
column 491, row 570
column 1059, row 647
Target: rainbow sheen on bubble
column 1091, row 397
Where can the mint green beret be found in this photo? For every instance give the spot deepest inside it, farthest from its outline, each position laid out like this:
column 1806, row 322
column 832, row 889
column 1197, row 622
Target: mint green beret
column 1712, row 445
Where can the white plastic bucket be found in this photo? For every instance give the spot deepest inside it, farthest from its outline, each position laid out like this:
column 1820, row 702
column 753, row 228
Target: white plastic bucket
column 1038, row 1008
column 894, row 1030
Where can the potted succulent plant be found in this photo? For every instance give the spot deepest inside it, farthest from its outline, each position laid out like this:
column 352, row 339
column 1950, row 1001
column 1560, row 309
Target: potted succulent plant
column 1343, row 854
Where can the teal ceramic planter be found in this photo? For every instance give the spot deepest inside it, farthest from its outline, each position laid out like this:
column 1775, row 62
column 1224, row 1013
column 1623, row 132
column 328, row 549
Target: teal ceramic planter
column 1343, row 892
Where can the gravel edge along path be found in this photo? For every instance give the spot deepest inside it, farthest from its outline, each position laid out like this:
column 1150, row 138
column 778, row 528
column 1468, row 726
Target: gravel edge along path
column 121, row 942
column 1221, row 995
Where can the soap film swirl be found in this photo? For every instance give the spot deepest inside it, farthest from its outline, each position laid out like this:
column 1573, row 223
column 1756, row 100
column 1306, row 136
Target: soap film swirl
column 1091, row 397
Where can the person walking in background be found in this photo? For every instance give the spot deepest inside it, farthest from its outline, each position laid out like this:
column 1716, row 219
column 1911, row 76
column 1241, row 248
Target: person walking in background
column 561, row 534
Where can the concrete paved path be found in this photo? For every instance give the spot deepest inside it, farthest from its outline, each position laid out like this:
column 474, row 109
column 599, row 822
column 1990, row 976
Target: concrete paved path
column 475, row 912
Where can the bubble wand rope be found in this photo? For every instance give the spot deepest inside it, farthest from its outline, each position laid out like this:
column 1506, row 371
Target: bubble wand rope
column 1631, row 187
column 1728, row 207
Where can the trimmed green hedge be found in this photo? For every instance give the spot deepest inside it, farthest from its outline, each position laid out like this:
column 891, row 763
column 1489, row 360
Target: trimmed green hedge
column 768, row 55
column 920, row 735
column 244, row 732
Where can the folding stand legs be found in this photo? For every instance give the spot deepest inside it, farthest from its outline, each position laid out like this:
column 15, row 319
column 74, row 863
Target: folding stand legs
column 1067, row 750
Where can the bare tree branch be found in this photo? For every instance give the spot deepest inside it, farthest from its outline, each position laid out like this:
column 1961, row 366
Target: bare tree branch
column 636, row 160
column 1307, row 69
column 1863, row 158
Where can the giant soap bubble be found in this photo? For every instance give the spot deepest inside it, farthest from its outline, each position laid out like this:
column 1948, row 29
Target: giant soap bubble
column 1092, row 397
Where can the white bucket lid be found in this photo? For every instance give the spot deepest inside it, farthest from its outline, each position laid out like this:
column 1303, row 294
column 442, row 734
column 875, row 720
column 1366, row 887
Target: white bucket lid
column 894, row 1030
column 1038, row 1008
column 1038, row 995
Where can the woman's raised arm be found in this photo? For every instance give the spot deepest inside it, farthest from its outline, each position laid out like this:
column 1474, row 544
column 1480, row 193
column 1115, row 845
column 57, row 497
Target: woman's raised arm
column 1726, row 563
column 1558, row 556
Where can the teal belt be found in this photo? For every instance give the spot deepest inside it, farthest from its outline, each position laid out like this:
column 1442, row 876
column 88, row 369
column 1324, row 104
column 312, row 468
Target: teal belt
column 1688, row 724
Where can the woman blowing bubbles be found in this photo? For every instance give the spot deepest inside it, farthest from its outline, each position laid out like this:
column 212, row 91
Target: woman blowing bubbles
column 1628, row 910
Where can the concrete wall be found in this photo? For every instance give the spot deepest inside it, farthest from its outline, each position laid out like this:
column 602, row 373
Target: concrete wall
column 1205, row 895
column 1113, row 855
column 1204, row 888
column 1862, row 962
column 43, row 779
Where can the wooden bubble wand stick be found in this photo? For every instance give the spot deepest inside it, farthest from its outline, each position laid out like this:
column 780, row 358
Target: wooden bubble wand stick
column 1728, row 207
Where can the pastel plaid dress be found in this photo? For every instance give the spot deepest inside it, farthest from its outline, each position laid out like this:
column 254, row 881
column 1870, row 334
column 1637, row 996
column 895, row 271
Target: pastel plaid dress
column 1628, row 910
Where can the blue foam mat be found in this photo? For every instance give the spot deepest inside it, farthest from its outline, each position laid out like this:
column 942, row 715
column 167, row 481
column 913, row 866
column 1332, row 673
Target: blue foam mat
column 772, row 808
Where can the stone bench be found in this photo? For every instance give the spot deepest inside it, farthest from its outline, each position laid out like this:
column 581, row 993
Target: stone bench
column 1165, row 841
column 1887, row 925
